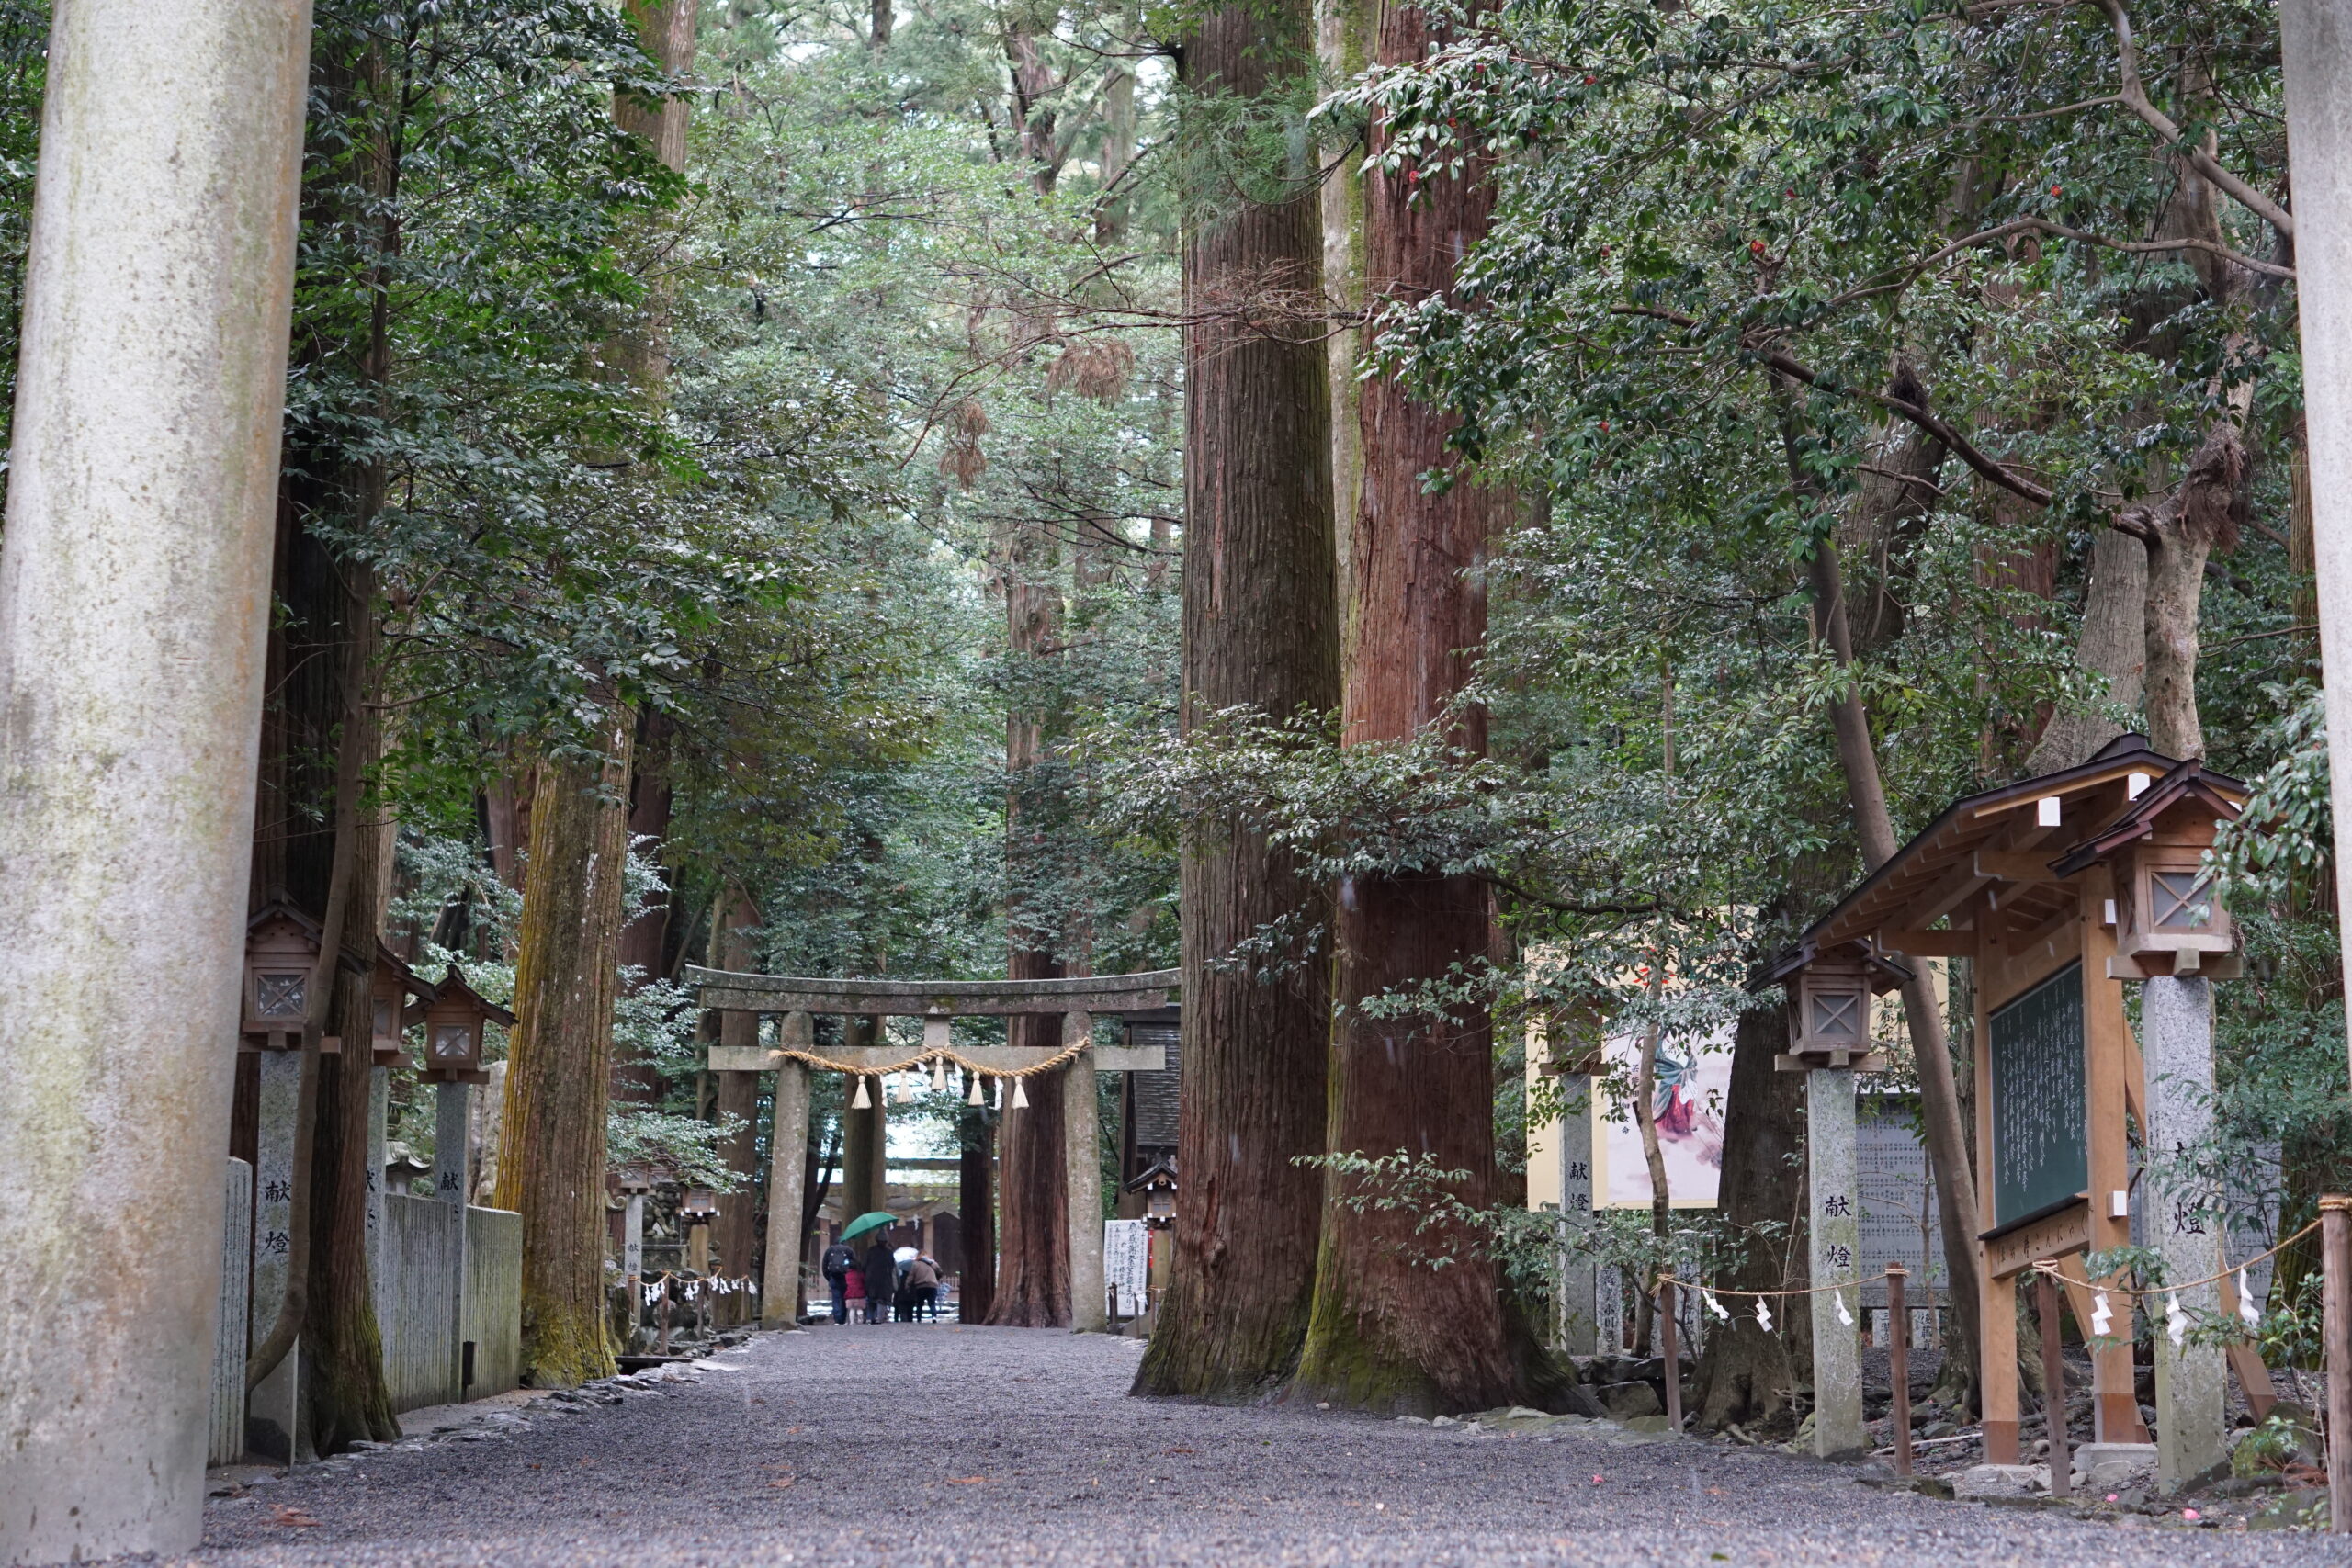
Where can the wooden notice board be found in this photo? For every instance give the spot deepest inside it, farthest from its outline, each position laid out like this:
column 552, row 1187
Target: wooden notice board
column 2040, row 1115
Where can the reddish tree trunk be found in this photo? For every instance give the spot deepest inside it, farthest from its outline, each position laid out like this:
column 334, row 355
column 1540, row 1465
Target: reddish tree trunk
column 1389, row 1332
column 1033, row 1269
column 975, row 1210
column 1261, row 627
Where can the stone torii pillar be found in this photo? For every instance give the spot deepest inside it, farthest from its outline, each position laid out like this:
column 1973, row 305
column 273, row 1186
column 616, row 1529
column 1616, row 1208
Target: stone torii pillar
column 134, row 600
column 788, row 1178
column 1082, row 1160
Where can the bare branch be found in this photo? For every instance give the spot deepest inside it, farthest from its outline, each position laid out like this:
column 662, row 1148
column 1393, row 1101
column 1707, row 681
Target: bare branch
column 2135, row 99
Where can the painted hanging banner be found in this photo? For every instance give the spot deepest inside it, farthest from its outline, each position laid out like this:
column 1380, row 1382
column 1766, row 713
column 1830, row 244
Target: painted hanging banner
column 2040, row 1117
column 1693, row 1081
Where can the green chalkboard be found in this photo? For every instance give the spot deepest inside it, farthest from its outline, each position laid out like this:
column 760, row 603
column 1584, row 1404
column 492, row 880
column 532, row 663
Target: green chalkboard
column 2040, row 1155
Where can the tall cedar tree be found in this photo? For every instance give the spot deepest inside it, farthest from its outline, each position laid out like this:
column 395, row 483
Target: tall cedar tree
column 1032, row 1287
column 1390, row 1331
column 551, row 1164
column 1261, row 628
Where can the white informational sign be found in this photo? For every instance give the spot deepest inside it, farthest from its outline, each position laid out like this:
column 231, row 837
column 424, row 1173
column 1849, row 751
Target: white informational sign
column 1127, row 1264
column 1694, row 1082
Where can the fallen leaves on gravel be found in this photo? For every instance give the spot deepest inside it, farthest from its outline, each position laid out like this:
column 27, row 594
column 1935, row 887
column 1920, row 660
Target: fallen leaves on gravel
column 965, row 1480
column 289, row 1515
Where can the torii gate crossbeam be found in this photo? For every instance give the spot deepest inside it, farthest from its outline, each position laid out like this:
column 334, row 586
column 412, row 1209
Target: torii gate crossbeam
column 800, row 999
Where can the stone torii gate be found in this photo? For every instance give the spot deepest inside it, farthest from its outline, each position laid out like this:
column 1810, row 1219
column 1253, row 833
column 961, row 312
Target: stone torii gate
column 799, row 1001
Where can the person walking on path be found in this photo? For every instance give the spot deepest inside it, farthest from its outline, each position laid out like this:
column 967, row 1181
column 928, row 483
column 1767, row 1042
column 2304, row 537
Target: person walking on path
column 838, row 1259
column 881, row 1280
column 924, row 1275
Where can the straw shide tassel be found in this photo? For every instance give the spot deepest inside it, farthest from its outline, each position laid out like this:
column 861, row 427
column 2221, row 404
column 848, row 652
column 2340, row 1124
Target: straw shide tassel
column 863, row 1102
column 976, row 1097
column 1020, row 1095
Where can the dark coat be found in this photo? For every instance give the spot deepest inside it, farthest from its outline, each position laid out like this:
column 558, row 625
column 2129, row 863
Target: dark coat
column 880, row 1270
column 840, row 1259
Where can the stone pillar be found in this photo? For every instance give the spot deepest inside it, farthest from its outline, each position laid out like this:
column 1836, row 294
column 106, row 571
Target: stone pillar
column 274, row 1410
column 2177, row 1043
column 1609, row 1310
column 134, row 599
column 453, row 1130
column 1081, row 1151
column 1834, row 1246
column 787, row 1154
column 1574, row 1318
column 2316, row 54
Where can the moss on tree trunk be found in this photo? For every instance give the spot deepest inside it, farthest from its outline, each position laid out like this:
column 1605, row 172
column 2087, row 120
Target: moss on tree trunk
column 551, row 1166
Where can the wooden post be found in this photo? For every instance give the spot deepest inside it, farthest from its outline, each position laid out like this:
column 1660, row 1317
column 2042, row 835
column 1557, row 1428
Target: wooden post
column 661, row 1345
column 1082, row 1162
column 1667, row 1326
column 2107, row 1050
column 2335, row 1260
column 1996, row 1365
column 2054, row 1395
column 1898, row 1364
column 787, row 1153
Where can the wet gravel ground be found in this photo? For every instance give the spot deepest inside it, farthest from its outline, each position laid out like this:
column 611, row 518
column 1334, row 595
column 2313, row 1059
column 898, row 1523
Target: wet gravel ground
column 934, row 1446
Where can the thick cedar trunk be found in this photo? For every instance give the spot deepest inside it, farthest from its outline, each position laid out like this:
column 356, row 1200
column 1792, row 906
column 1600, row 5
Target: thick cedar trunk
column 976, row 1210
column 551, row 1169
column 732, row 1232
column 1261, row 628
column 1747, row 1373
column 1388, row 1331
column 666, row 29
column 1032, row 1270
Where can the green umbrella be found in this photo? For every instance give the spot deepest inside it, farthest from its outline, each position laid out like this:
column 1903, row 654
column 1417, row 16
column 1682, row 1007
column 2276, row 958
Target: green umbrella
column 872, row 1221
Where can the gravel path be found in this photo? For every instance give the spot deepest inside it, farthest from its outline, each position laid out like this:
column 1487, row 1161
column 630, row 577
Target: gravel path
column 934, row 1445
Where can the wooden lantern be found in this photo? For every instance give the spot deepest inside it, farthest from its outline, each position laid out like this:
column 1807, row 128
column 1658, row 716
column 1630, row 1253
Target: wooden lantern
column 281, row 954
column 2167, row 917
column 453, row 1028
column 699, row 1207
column 634, row 1180
column 1830, row 1006
column 391, row 988
column 1157, row 1182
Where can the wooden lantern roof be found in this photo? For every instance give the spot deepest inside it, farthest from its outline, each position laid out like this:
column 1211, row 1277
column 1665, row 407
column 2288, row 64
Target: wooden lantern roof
column 453, row 992
column 2009, row 840
column 2188, row 789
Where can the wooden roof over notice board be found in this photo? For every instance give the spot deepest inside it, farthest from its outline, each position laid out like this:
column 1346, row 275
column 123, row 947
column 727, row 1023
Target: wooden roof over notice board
column 2006, row 841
